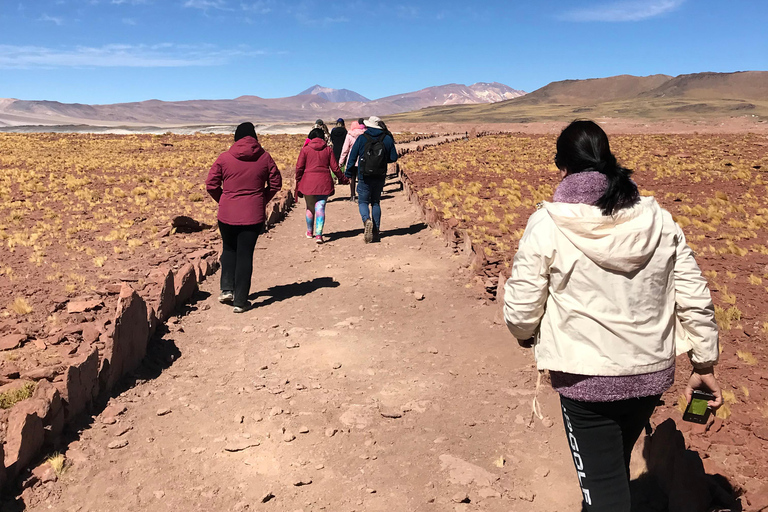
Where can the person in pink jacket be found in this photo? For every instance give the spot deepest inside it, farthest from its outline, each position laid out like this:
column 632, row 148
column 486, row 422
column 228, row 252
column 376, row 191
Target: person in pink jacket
column 314, row 182
column 242, row 181
column 355, row 130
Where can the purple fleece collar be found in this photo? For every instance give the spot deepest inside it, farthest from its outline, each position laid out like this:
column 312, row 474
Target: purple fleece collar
column 582, row 187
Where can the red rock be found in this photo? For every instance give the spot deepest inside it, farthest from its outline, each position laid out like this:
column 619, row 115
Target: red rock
column 80, row 384
column 45, row 373
column 9, row 370
column 24, row 437
column 186, row 224
column 199, row 274
column 40, row 344
column 167, row 300
column 186, row 284
column 44, row 473
column 83, row 305
column 11, row 341
column 113, row 288
column 164, row 233
column 213, row 264
column 53, row 420
column 151, row 321
column 128, row 345
column 200, row 254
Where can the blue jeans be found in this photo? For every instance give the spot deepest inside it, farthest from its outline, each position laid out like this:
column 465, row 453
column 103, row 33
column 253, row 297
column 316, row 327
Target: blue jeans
column 368, row 198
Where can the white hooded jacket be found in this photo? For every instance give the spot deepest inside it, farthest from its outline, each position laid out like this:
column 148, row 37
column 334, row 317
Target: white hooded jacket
column 609, row 295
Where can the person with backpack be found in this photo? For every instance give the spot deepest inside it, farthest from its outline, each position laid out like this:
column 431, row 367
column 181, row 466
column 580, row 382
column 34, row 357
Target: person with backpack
column 371, row 153
column 607, row 292
column 350, row 171
column 242, row 181
column 314, row 183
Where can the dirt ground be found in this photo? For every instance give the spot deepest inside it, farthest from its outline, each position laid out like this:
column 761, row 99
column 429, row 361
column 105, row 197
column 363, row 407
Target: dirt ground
column 340, row 390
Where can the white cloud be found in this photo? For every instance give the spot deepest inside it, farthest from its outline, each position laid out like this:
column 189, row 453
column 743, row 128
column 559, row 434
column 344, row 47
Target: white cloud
column 207, row 4
column 165, row 55
column 260, row 7
column 636, row 10
column 52, row 19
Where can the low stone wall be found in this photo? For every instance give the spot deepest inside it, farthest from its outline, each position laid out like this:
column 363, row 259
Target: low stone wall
column 109, row 350
column 490, row 274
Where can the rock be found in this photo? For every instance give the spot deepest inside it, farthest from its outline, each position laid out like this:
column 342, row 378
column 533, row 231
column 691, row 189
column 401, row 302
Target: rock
column 336, row 366
column 275, row 411
column 304, row 430
column 166, row 302
column 288, row 437
column 52, row 413
column 267, row 496
column 239, row 418
column 108, row 420
column 460, row 497
column 432, row 350
column 248, row 329
column 201, row 254
column 114, row 410
column 47, row 373
column 418, row 296
column 128, row 345
column 24, row 436
column 330, row 432
column 91, row 333
column 526, row 495
column 462, row 472
column 44, row 473
column 159, row 494
column 83, row 305
column 164, row 232
column 12, row 341
column 117, row 444
column 408, row 290
column 163, row 412
column 299, row 482
column 292, row 344
column 80, row 384
column 370, row 491
column 185, row 224
column 186, row 284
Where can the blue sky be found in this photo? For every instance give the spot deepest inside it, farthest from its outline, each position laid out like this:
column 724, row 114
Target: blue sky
column 106, row 51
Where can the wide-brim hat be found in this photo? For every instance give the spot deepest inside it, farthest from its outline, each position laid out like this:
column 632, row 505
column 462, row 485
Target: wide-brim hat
column 373, row 122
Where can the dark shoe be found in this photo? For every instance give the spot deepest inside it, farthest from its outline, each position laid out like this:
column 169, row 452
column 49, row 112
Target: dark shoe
column 226, row 297
column 353, row 199
column 368, row 233
column 242, row 309
column 376, row 234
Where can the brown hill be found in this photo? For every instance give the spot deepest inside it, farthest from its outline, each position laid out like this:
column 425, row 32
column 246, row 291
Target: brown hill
column 593, row 90
column 744, row 85
column 656, row 97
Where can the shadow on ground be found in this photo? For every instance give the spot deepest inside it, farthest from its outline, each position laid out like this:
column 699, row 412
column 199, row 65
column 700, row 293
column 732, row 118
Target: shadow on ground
column 288, row 291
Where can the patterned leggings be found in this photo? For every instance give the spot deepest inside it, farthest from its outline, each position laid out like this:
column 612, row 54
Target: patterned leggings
column 316, row 214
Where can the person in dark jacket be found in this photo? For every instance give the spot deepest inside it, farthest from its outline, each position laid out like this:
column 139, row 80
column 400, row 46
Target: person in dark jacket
column 338, row 135
column 313, row 181
column 369, row 188
column 242, row 180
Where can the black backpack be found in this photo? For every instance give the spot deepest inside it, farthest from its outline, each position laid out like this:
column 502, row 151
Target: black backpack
column 373, row 161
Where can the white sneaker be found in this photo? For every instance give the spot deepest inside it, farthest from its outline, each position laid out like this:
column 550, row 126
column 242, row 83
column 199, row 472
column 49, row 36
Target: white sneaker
column 226, row 297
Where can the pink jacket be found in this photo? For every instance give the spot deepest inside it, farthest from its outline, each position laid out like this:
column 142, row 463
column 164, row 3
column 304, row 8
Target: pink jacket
column 355, row 131
column 312, row 176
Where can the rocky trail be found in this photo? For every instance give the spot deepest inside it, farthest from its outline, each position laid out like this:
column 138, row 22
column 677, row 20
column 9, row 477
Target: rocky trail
column 366, row 377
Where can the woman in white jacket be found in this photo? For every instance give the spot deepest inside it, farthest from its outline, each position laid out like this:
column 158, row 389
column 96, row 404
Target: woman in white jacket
column 605, row 288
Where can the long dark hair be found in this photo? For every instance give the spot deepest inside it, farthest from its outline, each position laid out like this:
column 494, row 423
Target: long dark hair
column 583, row 146
column 316, row 133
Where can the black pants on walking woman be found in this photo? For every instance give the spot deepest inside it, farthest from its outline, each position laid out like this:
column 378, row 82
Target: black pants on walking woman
column 237, row 259
column 601, row 436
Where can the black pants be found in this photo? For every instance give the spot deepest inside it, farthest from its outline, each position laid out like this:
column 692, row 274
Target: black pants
column 237, row 259
column 601, row 436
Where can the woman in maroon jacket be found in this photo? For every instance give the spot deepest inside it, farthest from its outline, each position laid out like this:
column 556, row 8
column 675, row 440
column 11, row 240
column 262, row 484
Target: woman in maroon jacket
column 242, row 180
column 314, row 182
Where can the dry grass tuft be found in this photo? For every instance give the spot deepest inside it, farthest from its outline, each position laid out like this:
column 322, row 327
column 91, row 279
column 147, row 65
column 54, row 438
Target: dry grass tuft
column 20, row 306
column 12, row 397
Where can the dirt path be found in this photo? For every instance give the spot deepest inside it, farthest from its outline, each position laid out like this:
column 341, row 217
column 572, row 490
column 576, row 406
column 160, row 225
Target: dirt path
column 385, row 402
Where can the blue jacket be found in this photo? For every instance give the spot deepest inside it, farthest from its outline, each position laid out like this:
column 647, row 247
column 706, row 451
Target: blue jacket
column 357, row 149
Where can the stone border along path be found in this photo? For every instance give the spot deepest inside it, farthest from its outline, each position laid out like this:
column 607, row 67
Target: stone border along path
column 367, row 377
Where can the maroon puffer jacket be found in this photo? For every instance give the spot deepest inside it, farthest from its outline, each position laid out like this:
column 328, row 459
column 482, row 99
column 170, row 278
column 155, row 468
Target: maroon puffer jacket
column 312, row 169
column 243, row 180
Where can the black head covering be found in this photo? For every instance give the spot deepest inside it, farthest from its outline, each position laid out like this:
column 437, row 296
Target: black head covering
column 245, row 130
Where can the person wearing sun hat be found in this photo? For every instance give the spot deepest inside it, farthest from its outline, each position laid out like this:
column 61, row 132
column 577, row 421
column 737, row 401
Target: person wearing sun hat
column 370, row 183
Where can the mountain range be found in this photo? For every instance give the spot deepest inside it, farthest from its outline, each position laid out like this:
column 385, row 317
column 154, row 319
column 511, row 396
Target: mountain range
column 655, row 97
column 315, row 102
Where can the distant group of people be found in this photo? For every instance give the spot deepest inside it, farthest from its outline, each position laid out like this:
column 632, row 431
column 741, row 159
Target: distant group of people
column 245, row 178
column 603, row 285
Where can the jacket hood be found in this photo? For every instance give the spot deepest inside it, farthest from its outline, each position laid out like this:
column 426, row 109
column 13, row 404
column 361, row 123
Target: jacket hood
column 623, row 242
column 374, row 132
column 317, row 144
column 247, row 149
column 356, row 132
